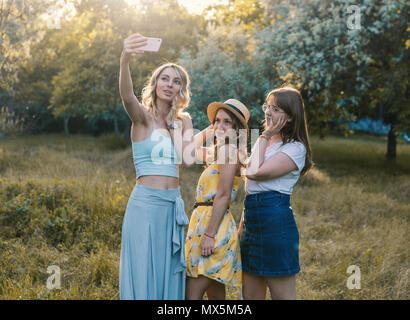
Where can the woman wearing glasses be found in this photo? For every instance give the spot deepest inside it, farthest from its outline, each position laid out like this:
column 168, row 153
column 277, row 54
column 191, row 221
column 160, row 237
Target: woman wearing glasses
column 268, row 231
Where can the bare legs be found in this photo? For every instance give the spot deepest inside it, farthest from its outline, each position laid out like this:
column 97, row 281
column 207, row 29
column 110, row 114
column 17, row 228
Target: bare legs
column 281, row 288
column 254, row 288
column 196, row 288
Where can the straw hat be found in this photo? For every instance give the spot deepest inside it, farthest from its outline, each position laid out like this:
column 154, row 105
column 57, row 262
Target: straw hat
column 233, row 105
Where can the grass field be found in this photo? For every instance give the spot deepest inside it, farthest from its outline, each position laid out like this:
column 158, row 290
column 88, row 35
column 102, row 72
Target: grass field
column 62, row 201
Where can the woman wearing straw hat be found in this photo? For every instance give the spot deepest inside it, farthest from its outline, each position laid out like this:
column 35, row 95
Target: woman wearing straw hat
column 212, row 245
column 152, row 261
column 270, row 239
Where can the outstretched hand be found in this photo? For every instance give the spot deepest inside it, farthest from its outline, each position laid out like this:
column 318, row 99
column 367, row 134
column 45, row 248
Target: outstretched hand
column 132, row 43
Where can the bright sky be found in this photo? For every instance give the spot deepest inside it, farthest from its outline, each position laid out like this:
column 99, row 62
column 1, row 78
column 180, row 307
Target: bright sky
column 196, row 6
column 55, row 13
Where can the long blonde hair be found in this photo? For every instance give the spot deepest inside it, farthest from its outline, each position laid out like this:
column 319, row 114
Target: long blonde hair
column 181, row 100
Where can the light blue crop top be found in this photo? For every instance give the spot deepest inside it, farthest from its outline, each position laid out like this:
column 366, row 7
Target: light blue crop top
column 155, row 156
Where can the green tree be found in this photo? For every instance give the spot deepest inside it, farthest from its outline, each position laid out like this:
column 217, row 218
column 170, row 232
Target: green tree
column 71, row 84
column 20, row 26
column 223, row 66
column 310, row 45
column 249, row 15
column 70, row 69
column 218, row 74
column 385, row 39
column 88, row 85
column 35, row 85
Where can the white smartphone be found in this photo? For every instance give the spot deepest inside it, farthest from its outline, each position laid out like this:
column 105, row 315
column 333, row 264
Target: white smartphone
column 152, row 45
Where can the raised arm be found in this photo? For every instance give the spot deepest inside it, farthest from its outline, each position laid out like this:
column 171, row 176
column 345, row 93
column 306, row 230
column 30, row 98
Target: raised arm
column 275, row 167
column 256, row 160
column 132, row 106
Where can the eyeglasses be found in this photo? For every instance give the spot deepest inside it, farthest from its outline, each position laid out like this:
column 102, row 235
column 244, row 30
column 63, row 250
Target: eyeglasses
column 275, row 109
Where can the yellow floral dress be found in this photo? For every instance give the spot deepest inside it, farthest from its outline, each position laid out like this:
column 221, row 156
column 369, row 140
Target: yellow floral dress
column 224, row 265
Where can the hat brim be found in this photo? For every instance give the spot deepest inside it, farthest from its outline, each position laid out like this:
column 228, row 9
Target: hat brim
column 215, row 106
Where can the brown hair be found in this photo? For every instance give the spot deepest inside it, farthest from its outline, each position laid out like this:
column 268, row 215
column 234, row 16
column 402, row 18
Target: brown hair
column 236, row 125
column 290, row 101
column 179, row 103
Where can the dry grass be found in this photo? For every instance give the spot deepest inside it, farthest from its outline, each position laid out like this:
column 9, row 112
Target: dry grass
column 62, row 201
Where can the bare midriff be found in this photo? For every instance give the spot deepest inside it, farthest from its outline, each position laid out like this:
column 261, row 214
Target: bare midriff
column 158, row 182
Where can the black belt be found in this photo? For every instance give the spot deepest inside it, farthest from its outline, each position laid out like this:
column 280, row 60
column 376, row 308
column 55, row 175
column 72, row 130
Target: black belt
column 206, row 204
column 199, row 204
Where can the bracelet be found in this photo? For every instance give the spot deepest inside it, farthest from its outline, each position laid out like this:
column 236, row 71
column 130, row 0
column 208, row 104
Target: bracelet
column 209, row 236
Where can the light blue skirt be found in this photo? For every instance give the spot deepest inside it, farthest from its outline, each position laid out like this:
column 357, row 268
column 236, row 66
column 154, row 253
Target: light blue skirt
column 152, row 263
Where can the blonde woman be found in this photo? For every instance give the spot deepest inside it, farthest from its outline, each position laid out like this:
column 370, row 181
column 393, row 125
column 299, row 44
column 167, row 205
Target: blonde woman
column 152, row 263
column 212, row 244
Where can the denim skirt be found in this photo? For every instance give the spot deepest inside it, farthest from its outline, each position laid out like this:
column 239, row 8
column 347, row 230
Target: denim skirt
column 270, row 240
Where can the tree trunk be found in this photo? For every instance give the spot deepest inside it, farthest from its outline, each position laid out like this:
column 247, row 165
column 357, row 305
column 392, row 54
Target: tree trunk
column 381, row 111
column 116, row 130
column 66, row 118
column 391, row 144
column 10, row 117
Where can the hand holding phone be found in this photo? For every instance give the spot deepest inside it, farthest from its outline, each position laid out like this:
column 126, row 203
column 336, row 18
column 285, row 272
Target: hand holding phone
column 153, row 45
column 137, row 44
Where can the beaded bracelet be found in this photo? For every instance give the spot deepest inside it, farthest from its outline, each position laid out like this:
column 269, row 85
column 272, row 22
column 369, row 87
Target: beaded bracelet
column 210, row 236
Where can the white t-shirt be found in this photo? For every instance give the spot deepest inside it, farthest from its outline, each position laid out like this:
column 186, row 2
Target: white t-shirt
column 284, row 184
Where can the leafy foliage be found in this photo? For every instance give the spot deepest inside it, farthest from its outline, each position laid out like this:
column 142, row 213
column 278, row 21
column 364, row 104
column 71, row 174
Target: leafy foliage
column 242, row 50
